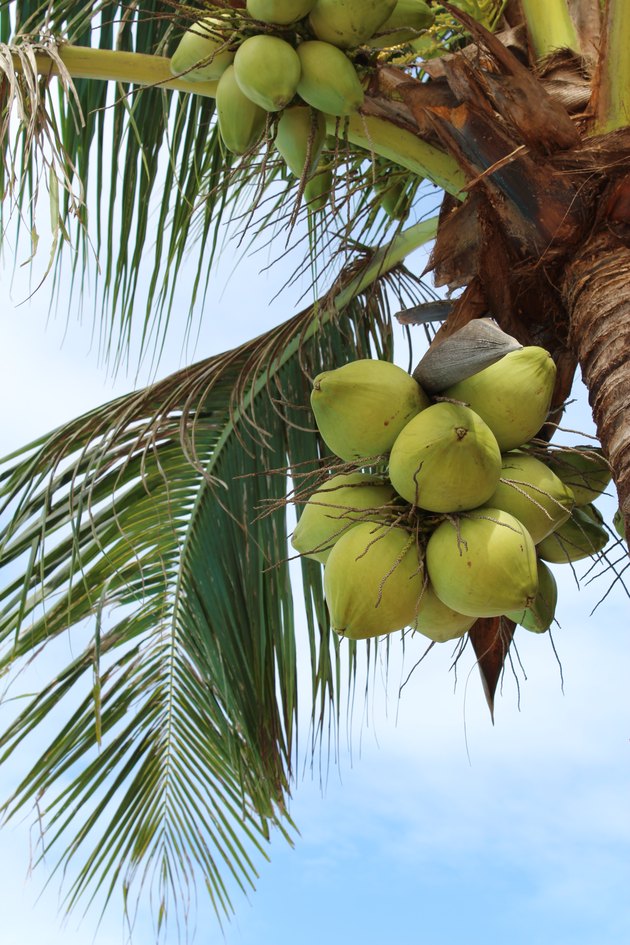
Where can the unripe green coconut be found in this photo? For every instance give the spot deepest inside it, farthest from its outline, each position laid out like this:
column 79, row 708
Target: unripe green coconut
column 619, row 524
column 267, row 70
column 280, row 12
column 348, row 23
column 338, row 505
column 206, row 42
column 446, row 459
column 329, row 81
column 538, row 617
column 241, row 121
column 512, row 395
column 581, row 536
column 584, row 469
column 533, row 493
column 361, row 408
column 484, row 565
column 405, row 22
column 300, row 136
column 437, row 621
column 373, row 581
column 318, row 187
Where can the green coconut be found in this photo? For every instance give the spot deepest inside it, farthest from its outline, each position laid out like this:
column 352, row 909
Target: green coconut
column 437, row 621
column 329, row 81
column 206, row 42
column 373, row 581
column 338, row 505
column 584, row 469
column 538, row 617
column 446, row 459
column 267, row 70
column 318, row 187
column 348, row 23
column 533, row 493
column 581, row 536
column 280, row 12
column 241, row 121
column 484, row 565
column 512, row 395
column 361, row 408
column 619, row 524
column 405, row 22
column 300, row 137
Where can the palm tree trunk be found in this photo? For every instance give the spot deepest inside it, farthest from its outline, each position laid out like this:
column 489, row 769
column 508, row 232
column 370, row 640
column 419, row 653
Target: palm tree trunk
column 596, row 290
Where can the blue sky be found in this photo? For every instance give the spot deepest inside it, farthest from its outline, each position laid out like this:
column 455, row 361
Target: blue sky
column 436, row 827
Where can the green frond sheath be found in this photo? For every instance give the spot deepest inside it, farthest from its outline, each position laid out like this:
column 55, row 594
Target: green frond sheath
column 613, row 91
column 550, row 26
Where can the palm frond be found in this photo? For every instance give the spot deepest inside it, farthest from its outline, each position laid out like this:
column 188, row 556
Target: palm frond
column 138, row 526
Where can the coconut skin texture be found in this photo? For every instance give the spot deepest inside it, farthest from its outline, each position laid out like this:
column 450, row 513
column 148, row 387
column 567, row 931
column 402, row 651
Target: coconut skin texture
column 301, row 128
column 204, row 40
column 267, row 70
column 437, row 621
column 446, row 459
column 279, row 12
column 329, row 81
column 484, row 565
column 538, row 617
column 513, row 395
column 334, row 508
column 361, row 408
column 531, row 492
column 348, row 23
column 406, row 20
column 584, row 469
column 241, row 121
column 581, row 536
column 373, row 581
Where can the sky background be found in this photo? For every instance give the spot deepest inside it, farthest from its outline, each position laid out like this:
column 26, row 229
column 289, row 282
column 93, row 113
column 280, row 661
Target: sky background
column 433, row 826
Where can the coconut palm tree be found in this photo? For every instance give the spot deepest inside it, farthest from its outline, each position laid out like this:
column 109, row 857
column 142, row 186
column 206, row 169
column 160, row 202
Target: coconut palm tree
column 156, row 524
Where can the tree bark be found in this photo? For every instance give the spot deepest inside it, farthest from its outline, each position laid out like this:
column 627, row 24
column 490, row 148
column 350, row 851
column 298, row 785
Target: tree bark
column 596, row 290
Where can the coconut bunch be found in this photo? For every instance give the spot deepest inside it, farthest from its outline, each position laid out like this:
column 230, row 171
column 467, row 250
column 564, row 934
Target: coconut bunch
column 445, row 511
column 294, row 59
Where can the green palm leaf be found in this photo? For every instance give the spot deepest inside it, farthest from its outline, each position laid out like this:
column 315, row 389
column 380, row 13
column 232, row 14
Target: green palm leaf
column 139, row 526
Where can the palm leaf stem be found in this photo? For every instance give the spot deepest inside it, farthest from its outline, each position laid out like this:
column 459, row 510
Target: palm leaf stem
column 376, row 135
column 550, row 26
column 382, row 261
column 613, row 89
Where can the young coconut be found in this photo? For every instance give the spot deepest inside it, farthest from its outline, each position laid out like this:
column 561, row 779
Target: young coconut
column 205, row 46
column 437, row 621
column 279, row 12
column 407, row 19
column 328, row 81
column 361, row 407
column 300, row 138
column 484, row 564
column 373, row 581
column 584, row 469
column 348, row 23
column 619, row 524
column 340, row 504
column 513, row 395
column 531, row 492
column 446, row 459
column 241, row 122
column 581, row 536
column 267, row 70
column 538, row 617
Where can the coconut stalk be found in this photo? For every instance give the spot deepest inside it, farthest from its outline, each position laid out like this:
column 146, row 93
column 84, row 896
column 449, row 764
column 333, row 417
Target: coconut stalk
column 612, row 99
column 550, row 27
column 375, row 135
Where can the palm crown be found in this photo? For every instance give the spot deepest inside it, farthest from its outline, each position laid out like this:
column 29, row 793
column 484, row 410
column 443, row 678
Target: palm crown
column 179, row 742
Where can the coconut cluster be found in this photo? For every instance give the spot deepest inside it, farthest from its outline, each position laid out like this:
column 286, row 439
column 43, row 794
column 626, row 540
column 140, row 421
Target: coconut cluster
column 446, row 511
column 295, row 58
